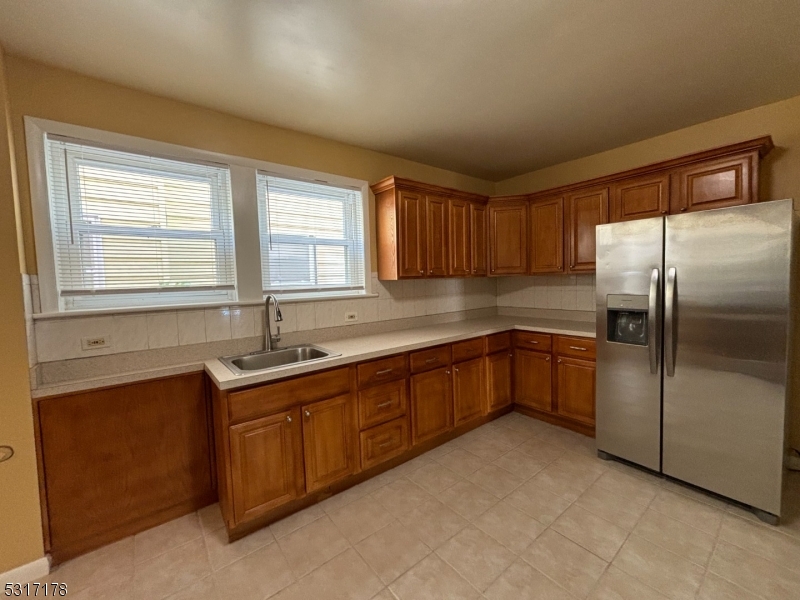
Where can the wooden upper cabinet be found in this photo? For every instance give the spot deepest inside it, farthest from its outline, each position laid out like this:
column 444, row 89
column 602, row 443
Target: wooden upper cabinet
column 412, row 228
column 460, row 263
column 431, row 404
column 479, row 237
column 508, row 238
column 436, row 242
column 640, row 197
column 728, row 181
column 533, row 380
column 547, row 236
column 469, row 390
column 576, row 389
column 328, row 441
column 586, row 209
column 266, row 463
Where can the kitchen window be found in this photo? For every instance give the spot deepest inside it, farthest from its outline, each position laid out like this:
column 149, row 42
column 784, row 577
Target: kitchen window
column 311, row 236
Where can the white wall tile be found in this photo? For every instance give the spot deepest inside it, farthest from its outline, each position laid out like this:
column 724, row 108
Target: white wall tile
column 191, row 327
column 324, row 314
column 242, row 322
column 306, row 316
column 60, row 339
column 569, row 293
column 129, row 333
column 162, row 330
column 218, row 324
column 289, row 323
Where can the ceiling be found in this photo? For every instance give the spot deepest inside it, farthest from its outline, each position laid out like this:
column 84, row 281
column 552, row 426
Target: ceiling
column 486, row 88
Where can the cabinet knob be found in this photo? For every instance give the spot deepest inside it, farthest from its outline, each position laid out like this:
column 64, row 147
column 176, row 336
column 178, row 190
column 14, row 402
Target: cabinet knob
column 308, row 413
column 448, row 372
column 510, row 355
column 559, row 360
column 663, row 212
column 456, row 369
column 421, row 272
column 683, row 209
column 547, row 359
column 288, row 419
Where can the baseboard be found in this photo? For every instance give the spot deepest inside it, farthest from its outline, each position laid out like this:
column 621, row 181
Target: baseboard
column 27, row 573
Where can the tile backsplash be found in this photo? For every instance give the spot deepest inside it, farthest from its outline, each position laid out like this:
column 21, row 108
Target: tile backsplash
column 558, row 292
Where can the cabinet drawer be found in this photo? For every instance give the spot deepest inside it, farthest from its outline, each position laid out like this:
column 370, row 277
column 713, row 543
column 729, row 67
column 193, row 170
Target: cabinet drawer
column 467, row 349
column 541, row 342
column 382, row 403
column 578, row 347
column 498, row 342
column 425, row 360
column 384, row 442
column 273, row 397
column 379, row 371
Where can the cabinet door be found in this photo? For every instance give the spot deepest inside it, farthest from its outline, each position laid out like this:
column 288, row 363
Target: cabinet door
column 640, row 198
column 479, row 232
column 431, row 404
column 508, row 238
column 729, row 181
column 533, row 380
column 469, row 390
column 586, row 210
column 328, row 441
column 436, row 217
column 576, row 389
column 498, row 375
column 547, row 236
column 459, row 232
column 412, row 232
column 266, row 464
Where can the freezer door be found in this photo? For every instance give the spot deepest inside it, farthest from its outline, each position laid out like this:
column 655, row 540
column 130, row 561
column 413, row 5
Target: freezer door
column 629, row 292
column 726, row 327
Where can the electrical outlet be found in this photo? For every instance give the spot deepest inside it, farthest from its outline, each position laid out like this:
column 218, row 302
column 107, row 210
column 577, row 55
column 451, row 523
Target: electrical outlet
column 350, row 317
column 94, row 343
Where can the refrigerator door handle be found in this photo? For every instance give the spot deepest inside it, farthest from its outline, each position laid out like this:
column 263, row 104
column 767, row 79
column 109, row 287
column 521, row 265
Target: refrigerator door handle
column 652, row 321
column 669, row 323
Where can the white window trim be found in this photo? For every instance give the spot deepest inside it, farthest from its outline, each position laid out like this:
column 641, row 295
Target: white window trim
column 245, row 211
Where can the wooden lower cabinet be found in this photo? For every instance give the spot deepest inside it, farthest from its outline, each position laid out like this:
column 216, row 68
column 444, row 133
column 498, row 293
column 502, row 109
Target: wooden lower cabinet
column 328, row 441
column 469, row 390
column 383, row 442
column 431, row 404
column 266, row 463
column 533, row 380
column 576, row 389
column 498, row 380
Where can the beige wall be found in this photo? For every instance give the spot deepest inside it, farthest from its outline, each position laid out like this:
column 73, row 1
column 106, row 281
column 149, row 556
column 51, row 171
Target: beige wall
column 20, row 521
column 51, row 93
column 780, row 169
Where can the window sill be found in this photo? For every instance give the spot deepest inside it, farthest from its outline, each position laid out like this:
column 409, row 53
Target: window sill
column 102, row 312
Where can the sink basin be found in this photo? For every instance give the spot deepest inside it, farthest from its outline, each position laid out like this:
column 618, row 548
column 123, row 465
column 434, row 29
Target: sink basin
column 245, row 364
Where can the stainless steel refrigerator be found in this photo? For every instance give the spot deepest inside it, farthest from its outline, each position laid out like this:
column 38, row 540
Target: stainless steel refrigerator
column 693, row 347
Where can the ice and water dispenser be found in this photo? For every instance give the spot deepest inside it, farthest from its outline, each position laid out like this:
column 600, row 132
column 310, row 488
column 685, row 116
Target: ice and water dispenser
column 627, row 319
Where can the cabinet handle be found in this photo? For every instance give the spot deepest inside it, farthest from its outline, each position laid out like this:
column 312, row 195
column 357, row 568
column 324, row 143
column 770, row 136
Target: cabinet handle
column 308, row 413
column 384, row 372
column 288, row 419
column 547, row 359
column 421, row 272
column 683, row 209
column 384, row 444
column 431, row 360
column 384, row 404
column 532, row 342
column 577, row 348
column 456, row 369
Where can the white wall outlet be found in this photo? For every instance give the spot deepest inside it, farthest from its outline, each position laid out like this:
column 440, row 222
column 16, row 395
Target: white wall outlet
column 350, row 317
column 94, row 343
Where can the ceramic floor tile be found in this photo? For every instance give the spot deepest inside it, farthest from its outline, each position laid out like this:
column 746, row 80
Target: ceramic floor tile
column 715, row 587
column 110, row 591
column 763, row 540
column 256, row 576
column 205, row 589
column 486, row 448
column 676, row 536
column 401, row 497
column 533, row 499
column 495, row 480
column 222, row 553
column 541, row 450
column 109, row 566
column 434, row 478
column 476, row 557
column 510, row 526
column 210, row 518
column 754, row 573
column 572, row 567
column 520, row 581
column 691, row 512
column 392, row 551
column 509, row 436
column 312, row 545
column 433, row 579
column 593, row 533
column 560, row 481
column 171, row 571
column 433, row 523
column 633, row 488
column 172, row 534
column 521, row 464
column 468, row 500
column 361, row 519
column 612, row 507
column 618, row 585
column 462, row 462
column 346, row 577
column 294, row 522
column 660, row 569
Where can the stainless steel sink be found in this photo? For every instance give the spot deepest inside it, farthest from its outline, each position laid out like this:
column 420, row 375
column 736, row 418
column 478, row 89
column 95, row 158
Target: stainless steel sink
column 246, row 364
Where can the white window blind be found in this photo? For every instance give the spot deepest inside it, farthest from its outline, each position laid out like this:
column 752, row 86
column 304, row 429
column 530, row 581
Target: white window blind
column 132, row 230
column 312, row 236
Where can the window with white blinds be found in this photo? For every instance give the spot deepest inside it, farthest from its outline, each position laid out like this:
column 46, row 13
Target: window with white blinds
column 131, row 229
column 312, row 236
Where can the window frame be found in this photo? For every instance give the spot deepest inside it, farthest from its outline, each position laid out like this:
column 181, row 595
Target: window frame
column 247, row 242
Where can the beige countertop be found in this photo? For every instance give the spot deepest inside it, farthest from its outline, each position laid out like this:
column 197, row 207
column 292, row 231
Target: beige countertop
column 350, row 350
column 359, row 349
